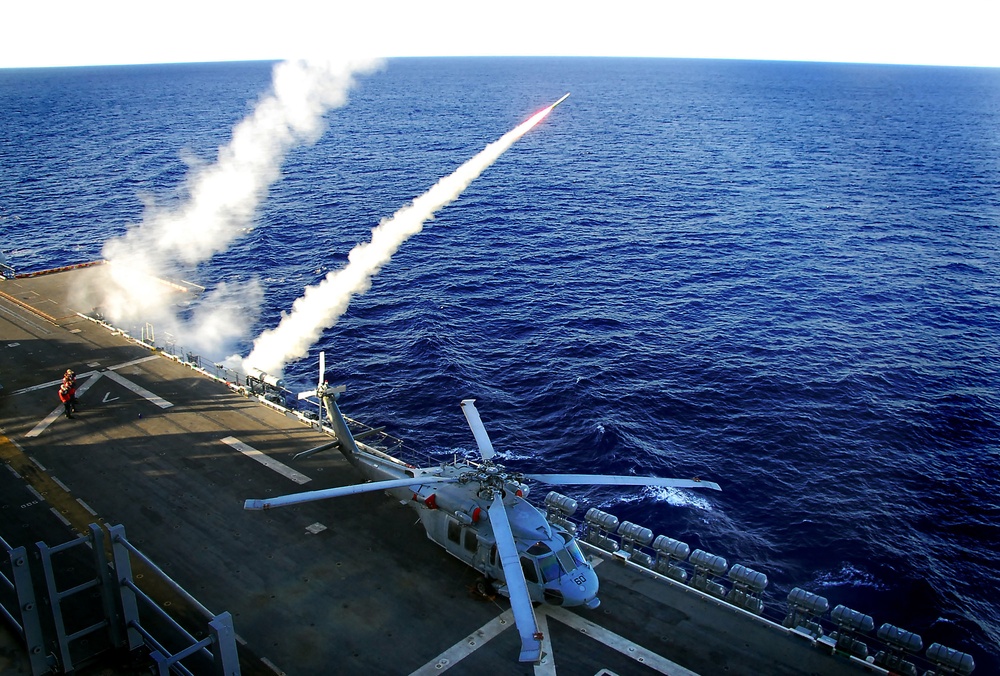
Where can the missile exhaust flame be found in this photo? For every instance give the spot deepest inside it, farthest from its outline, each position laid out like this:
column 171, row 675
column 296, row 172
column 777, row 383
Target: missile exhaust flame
column 322, row 305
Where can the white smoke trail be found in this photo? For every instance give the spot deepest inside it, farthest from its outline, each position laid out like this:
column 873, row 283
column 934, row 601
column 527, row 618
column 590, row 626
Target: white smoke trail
column 221, row 199
column 322, row 305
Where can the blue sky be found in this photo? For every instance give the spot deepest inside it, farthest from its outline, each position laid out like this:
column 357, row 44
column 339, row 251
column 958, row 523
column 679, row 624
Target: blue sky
column 62, row 32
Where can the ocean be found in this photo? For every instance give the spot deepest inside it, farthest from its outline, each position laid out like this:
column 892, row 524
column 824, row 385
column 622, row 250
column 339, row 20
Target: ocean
column 782, row 277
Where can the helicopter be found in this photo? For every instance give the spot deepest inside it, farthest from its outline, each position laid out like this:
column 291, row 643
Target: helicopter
column 478, row 512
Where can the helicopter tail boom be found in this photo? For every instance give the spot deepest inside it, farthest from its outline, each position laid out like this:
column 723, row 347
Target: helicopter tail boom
column 347, row 445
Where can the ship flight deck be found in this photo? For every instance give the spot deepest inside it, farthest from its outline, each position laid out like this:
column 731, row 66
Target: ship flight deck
column 348, row 586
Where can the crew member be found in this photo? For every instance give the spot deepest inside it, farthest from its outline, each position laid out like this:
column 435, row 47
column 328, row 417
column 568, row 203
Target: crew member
column 67, row 395
column 69, row 378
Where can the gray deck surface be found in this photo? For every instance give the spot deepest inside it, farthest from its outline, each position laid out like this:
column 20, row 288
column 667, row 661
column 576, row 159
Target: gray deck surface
column 370, row 594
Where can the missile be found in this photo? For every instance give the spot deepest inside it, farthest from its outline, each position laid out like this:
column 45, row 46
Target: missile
column 565, row 96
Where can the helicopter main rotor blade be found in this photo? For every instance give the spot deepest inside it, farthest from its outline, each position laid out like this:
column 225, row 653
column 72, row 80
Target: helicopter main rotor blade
column 478, row 429
column 517, row 587
column 312, row 496
column 612, row 480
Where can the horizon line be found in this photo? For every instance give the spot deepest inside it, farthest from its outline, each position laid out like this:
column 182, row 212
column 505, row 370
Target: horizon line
column 509, row 56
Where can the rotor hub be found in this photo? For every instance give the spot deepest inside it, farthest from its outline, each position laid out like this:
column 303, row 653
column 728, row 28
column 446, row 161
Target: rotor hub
column 493, row 479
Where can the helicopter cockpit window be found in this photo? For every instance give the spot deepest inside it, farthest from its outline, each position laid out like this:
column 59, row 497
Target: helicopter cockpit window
column 530, row 572
column 538, row 549
column 574, row 551
column 549, row 567
column 566, row 561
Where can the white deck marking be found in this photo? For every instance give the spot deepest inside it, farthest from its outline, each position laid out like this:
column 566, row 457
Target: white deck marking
column 86, row 506
column 134, row 362
column 51, row 383
column 60, row 517
column 94, row 377
column 272, row 666
column 547, row 666
column 467, row 646
column 81, row 376
column 619, row 643
column 138, row 389
column 51, row 417
column 266, row 460
column 547, row 663
column 22, row 318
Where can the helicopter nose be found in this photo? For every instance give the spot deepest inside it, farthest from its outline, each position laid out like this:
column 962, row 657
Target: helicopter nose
column 580, row 588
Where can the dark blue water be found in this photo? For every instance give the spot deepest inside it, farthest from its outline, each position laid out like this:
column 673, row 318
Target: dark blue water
column 782, row 277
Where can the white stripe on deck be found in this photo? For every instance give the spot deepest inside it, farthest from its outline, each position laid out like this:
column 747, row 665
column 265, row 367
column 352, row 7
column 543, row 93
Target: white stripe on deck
column 138, row 389
column 547, row 665
column 21, row 318
column 619, row 643
column 266, row 460
column 51, row 383
column 140, row 360
column 81, row 376
column 467, row 646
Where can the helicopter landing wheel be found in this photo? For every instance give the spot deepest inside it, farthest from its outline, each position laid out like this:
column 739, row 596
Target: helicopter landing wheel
column 485, row 588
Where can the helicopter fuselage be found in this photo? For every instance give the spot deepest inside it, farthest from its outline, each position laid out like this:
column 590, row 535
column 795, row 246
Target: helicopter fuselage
column 455, row 516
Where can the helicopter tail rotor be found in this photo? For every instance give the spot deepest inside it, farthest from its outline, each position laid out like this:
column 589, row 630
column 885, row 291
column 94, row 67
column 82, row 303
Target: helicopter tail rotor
column 319, row 383
column 327, row 396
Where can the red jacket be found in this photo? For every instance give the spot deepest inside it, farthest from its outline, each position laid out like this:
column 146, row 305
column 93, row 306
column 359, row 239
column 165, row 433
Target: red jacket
column 66, row 394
